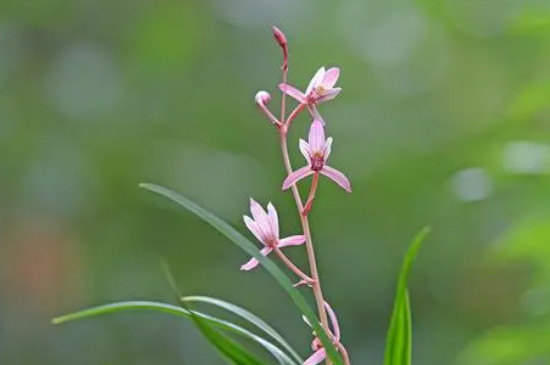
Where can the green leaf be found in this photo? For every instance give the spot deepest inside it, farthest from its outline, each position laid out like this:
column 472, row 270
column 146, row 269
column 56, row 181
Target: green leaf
column 232, row 351
column 251, row 249
column 180, row 312
column 250, row 317
column 399, row 338
column 279, row 354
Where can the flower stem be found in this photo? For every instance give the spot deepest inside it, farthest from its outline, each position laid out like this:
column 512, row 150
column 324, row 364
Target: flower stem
column 283, row 96
column 343, row 352
column 292, row 116
column 269, row 115
column 312, row 191
column 291, row 265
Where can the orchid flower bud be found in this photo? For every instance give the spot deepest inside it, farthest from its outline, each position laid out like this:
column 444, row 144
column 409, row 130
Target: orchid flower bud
column 281, row 40
column 279, row 37
column 262, row 98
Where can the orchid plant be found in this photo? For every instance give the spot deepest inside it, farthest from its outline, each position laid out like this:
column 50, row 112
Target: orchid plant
column 326, row 345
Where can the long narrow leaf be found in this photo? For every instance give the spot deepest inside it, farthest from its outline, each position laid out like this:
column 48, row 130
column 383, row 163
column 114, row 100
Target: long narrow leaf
column 228, row 349
column 251, row 249
column 399, row 338
column 177, row 311
column 250, row 317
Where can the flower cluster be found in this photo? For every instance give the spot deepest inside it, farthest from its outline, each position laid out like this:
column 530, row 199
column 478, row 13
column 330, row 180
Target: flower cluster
column 264, row 224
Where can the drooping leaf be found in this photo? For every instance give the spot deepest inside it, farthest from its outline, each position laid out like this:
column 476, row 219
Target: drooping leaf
column 399, row 338
column 247, row 246
column 180, row 312
column 229, row 349
column 250, row 317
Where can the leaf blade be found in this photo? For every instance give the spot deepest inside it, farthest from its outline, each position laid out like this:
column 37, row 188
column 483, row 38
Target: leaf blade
column 245, row 244
column 173, row 310
column 250, row 317
column 399, row 338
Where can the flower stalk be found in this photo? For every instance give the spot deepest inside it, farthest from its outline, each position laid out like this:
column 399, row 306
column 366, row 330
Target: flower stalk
column 316, row 150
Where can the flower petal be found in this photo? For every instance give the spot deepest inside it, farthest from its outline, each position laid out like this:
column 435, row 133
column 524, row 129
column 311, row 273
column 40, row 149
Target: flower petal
column 306, row 151
column 292, row 241
column 315, row 114
column 334, row 321
column 331, row 77
column 256, row 209
column 316, row 137
column 328, row 148
column 260, row 217
column 317, row 357
column 253, row 262
column 253, row 227
column 293, row 92
column 337, row 177
column 329, row 95
column 316, row 80
column 296, row 175
column 273, row 219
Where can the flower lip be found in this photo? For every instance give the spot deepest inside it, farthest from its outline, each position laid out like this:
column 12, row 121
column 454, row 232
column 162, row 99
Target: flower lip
column 317, row 162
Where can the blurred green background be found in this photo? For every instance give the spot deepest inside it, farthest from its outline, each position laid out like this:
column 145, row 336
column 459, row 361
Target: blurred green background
column 443, row 120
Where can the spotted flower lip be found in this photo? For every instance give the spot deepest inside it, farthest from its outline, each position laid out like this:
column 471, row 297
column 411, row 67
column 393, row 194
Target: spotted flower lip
column 319, row 352
column 320, row 89
column 264, row 225
column 316, row 151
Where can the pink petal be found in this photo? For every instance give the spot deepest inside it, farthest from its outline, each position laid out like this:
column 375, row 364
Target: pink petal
column 316, row 136
column 273, row 219
column 331, row 77
column 253, row 227
column 261, row 219
column 256, row 209
column 296, row 176
column 328, row 148
column 291, row 241
column 253, row 262
column 337, row 177
column 293, row 92
column 306, row 151
column 334, row 321
column 329, row 95
column 315, row 114
column 317, row 357
column 316, row 80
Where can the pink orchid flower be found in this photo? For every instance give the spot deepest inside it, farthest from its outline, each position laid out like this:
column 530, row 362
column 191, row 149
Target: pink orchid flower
column 320, row 89
column 265, row 227
column 316, row 151
column 319, row 352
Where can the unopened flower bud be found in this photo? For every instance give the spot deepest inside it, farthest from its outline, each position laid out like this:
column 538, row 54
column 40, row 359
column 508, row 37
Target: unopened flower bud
column 279, row 37
column 262, row 98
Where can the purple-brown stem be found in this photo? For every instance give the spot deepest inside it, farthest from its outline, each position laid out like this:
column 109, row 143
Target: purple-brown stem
column 283, row 131
column 291, row 266
column 311, row 196
column 292, row 116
